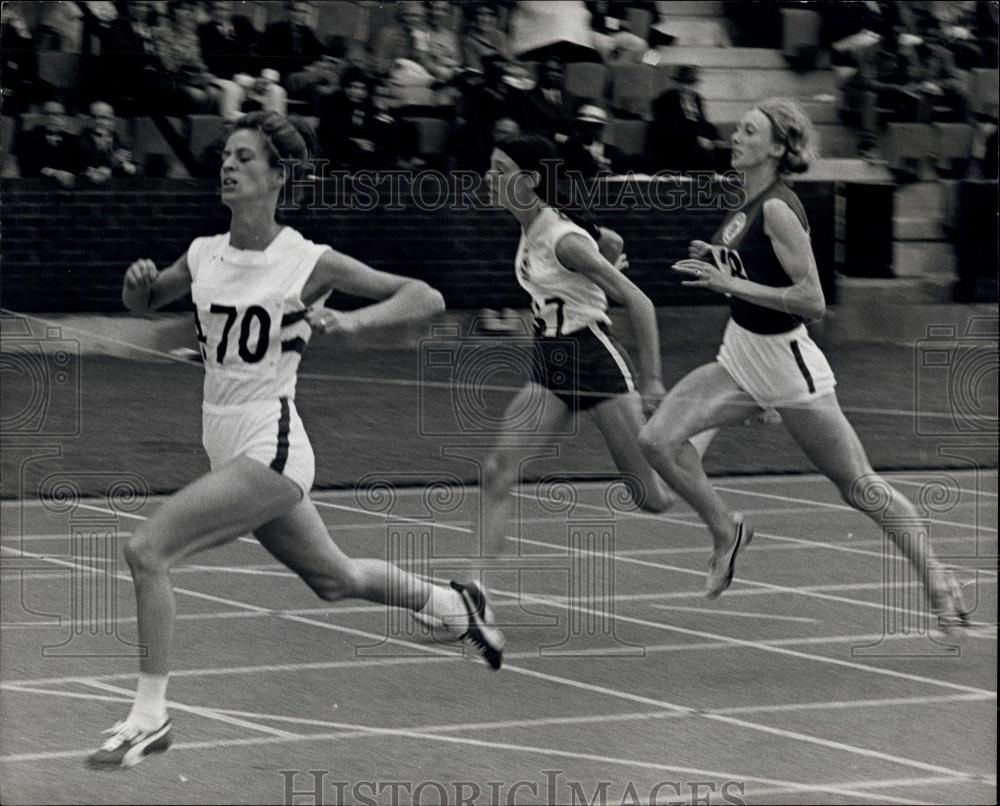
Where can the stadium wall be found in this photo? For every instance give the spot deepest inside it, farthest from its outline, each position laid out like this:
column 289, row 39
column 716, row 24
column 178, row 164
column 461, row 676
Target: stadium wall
column 67, row 250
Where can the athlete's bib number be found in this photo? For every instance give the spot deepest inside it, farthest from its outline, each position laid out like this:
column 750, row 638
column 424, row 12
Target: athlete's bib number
column 254, row 322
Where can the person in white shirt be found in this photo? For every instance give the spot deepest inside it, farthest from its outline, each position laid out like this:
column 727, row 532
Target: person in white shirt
column 258, row 289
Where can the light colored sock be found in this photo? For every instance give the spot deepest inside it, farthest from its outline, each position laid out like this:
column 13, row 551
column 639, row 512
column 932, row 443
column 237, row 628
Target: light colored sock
column 445, row 604
column 149, row 710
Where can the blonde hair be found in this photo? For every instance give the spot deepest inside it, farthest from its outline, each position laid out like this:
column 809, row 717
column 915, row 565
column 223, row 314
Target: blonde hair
column 792, row 128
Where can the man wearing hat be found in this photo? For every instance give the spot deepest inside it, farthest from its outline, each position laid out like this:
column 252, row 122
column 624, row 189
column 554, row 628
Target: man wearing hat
column 586, row 150
column 680, row 136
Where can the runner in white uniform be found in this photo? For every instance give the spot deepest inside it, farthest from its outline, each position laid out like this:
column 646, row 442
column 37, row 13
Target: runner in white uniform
column 252, row 288
column 578, row 364
column 761, row 258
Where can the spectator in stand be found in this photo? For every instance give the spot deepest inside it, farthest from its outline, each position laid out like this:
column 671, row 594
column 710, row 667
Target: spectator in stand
column 944, row 92
column 257, row 94
column 885, row 86
column 292, row 47
column 485, row 99
column 103, row 153
column 681, row 138
column 19, row 75
column 50, row 149
column 123, row 64
column 505, row 127
column 548, row 108
column 395, row 139
column 444, row 59
column 586, row 151
column 346, row 123
column 610, row 29
column 484, row 40
column 61, row 28
column 190, row 87
column 543, row 29
column 228, row 43
column 419, row 61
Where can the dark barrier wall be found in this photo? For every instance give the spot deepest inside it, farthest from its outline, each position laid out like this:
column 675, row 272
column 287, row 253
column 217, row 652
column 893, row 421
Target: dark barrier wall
column 67, row 250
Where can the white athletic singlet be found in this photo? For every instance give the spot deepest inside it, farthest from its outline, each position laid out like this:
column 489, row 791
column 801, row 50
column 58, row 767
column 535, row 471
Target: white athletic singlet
column 250, row 315
column 563, row 301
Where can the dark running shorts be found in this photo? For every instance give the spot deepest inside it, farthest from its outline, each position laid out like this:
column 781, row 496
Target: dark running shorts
column 588, row 361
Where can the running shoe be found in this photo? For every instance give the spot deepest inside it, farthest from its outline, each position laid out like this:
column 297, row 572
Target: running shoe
column 947, row 602
column 481, row 631
column 129, row 745
column 722, row 565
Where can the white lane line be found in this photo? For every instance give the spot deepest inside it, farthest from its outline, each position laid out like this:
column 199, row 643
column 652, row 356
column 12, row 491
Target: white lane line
column 387, row 516
column 767, row 647
column 348, row 730
column 841, row 507
column 207, row 713
column 737, row 613
column 652, row 649
column 615, row 693
column 963, row 490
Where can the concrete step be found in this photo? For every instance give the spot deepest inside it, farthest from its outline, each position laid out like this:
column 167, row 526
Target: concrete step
column 835, row 169
column 921, row 199
column 920, row 228
column 927, row 260
column 729, row 84
column 696, row 31
column 837, row 140
column 759, row 58
column 722, row 112
column 690, row 8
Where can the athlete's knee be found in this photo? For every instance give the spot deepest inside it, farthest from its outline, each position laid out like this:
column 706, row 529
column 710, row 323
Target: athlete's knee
column 656, row 441
column 344, row 582
column 142, row 553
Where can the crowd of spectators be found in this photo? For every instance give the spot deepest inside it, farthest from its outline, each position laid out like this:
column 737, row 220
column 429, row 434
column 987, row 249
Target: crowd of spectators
column 482, row 69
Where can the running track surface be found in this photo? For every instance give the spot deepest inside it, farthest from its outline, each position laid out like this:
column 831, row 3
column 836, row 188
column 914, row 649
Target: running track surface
column 809, row 681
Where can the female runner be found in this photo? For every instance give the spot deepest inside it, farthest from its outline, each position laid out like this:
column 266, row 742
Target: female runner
column 560, row 264
column 252, row 288
column 762, row 260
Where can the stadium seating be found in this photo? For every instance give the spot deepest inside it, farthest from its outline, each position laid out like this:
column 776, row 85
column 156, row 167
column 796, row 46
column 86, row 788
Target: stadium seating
column 433, row 136
column 204, row 130
column 586, row 80
column 150, row 149
column 953, row 143
column 634, row 86
column 984, row 91
column 907, row 145
column 629, row 136
column 60, row 70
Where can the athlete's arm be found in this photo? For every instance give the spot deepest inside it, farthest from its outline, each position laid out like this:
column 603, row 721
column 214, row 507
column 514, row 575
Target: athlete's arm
column 804, row 297
column 145, row 289
column 399, row 299
column 576, row 252
column 610, row 245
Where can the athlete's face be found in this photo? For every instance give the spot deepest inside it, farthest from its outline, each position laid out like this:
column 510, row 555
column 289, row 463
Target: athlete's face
column 510, row 187
column 753, row 141
column 247, row 172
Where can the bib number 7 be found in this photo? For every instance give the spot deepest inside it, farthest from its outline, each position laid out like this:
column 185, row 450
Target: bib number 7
column 254, row 315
